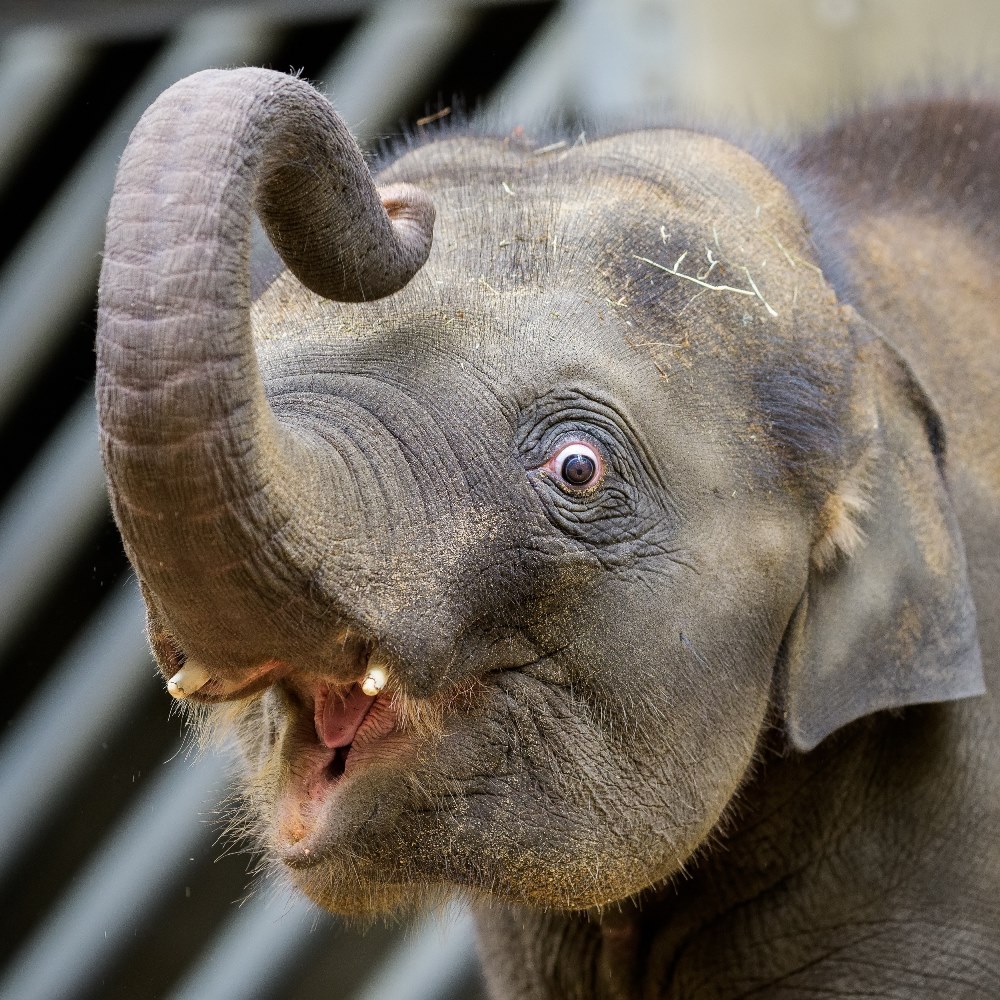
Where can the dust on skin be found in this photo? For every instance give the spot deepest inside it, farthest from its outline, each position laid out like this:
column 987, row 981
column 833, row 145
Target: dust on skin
column 588, row 788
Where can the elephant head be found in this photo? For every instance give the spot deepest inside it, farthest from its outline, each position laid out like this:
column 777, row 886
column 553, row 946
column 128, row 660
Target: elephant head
column 504, row 557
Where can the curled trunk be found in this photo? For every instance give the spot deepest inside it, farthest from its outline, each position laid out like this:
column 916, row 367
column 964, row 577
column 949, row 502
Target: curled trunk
column 213, row 495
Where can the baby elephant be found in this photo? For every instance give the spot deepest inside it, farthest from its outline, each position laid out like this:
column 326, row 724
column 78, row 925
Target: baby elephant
column 612, row 560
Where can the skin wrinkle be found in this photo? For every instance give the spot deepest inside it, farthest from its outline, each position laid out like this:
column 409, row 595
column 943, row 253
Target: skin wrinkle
column 406, row 457
column 608, row 696
column 373, row 459
column 446, row 465
column 881, row 969
column 568, row 407
column 185, row 236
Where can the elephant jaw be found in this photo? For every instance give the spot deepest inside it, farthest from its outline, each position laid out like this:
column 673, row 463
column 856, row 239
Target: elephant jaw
column 339, row 723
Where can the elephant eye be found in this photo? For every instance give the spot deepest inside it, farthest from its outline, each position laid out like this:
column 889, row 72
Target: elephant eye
column 576, row 466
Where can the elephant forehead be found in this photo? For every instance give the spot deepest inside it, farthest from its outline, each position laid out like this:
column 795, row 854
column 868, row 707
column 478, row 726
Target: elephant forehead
column 684, row 161
column 686, row 230
column 488, row 360
column 474, row 356
column 591, row 190
column 481, row 378
column 450, row 321
column 688, row 218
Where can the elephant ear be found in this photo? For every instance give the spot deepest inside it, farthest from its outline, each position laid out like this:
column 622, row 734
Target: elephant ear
column 887, row 619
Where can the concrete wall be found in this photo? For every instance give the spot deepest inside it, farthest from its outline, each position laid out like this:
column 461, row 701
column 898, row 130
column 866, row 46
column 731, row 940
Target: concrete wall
column 771, row 62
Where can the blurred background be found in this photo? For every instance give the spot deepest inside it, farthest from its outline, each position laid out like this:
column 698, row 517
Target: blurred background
column 112, row 880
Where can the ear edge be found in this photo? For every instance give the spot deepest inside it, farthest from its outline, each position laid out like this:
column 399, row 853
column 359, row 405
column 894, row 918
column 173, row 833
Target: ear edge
column 860, row 529
column 804, row 734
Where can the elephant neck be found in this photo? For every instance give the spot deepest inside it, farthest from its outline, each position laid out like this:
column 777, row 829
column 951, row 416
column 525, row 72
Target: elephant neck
column 825, row 865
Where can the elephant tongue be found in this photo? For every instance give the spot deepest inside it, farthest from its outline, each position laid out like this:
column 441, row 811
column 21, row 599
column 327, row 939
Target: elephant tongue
column 338, row 719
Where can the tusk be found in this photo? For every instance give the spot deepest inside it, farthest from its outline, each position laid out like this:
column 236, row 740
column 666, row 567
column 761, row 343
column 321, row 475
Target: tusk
column 374, row 681
column 190, row 678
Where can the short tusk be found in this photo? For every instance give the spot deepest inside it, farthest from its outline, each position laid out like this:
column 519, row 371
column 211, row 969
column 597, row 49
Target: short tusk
column 190, row 678
column 374, row 681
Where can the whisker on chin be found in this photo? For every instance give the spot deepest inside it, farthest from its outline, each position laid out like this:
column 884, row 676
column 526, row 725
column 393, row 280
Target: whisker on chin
column 244, row 815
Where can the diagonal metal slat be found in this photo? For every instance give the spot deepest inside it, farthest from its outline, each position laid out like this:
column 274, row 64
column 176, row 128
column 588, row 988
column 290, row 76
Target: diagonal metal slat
column 138, row 860
column 263, row 940
column 543, row 76
column 248, row 956
column 38, row 67
column 90, row 692
column 390, row 57
column 51, row 275
column 437, row 955
column 54, row 506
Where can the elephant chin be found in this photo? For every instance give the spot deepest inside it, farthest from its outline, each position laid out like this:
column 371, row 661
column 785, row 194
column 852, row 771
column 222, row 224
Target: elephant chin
column 404, row 805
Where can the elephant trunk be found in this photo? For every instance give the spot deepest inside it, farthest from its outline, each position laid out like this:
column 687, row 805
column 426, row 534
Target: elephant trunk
column 216, row 498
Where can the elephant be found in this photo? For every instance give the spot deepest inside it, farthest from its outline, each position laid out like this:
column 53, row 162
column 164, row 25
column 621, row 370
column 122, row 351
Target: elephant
column 604, row 532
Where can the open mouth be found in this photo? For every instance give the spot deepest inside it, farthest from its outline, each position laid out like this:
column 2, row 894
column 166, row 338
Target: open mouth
column 346, row 721
column 347, row 727
column 334, row 723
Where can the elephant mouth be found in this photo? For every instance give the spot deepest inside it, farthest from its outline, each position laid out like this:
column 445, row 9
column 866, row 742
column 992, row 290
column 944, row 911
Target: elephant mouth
column 348, row 721
column 347, row 760
column 331, row 746
column 332, row 727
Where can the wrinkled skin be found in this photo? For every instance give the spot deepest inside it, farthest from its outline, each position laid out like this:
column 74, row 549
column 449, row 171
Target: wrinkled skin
column 746, row 650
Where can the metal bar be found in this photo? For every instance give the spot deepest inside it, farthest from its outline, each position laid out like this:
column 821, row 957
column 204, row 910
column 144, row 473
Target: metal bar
column 248, row 956
column 38, row 66
column 390, row 59
column 113, row 895
column 629, row 53
column 91, row 692
column 435, row 956
column 55, row 505
column 52, row 273
column 544, row 75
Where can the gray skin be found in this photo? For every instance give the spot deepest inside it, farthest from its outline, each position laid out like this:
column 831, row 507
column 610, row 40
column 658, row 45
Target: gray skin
column 713, row 722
